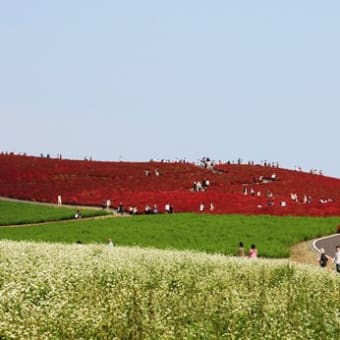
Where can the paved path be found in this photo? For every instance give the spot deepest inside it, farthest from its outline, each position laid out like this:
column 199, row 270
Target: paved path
column 328, row 243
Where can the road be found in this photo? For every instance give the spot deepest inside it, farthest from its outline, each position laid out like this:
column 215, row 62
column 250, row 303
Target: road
column 328, row 243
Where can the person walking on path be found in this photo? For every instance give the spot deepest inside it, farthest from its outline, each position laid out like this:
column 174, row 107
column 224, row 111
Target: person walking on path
column 323, row 258
column 336, row 258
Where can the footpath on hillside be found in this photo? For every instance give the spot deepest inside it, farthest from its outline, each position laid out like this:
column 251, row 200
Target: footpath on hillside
column 50, row 204
column 68, row 206
column 328, row 243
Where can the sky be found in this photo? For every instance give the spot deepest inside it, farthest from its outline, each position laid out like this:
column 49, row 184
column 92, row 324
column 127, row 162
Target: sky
column 136, row 80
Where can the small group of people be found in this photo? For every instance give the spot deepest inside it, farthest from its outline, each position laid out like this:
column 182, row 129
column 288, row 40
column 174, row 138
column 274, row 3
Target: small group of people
column 149, row 172
column 207, row 163
column 265, row 179
column 202, row 207
column 252, row 252
column 305, row 200
column 133, row 210
column 168, row 208
column 316, row 172
column 325, row 200
column 251, row 192
column 148, row 210
column 201, row 186
column 324, row 258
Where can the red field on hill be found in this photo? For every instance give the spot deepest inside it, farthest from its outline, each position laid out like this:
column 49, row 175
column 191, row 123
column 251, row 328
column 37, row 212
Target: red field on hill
column 246, row 189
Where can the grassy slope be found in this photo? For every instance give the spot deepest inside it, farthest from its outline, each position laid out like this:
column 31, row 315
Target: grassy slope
column 90, row 183
column 212, row 233
column 12, row 213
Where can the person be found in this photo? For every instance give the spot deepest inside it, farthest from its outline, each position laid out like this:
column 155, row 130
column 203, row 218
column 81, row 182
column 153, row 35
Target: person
column 202, row 207
column 110, row 244
column 147, row 209
column 252, row 254
column 60, row 203
column 120, row 209
column 336, row 258
column 323, row 258
column 241, row 250
column 133, row 210
column 108, row 204
column 77, row 215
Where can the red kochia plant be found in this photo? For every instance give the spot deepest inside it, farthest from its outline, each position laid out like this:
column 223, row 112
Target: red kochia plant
column 138, row 184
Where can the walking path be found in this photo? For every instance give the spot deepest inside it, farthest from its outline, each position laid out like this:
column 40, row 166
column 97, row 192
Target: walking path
column 328, row 243
column 49, row 204
column 36, row 224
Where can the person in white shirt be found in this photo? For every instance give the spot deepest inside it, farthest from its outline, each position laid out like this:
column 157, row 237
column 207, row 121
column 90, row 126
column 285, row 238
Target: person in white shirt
column 336, row 258
column 110, row 243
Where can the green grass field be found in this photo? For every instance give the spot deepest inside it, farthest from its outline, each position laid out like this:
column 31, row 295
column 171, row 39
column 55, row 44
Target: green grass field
column 209, row 233
column 50, row 290
column 15, row 213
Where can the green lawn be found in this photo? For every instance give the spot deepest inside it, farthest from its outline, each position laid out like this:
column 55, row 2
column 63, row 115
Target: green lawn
column 12, row 213
column 273, row 236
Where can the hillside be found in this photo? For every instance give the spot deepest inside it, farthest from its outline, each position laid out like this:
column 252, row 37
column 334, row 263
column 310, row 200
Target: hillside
column 233, row 188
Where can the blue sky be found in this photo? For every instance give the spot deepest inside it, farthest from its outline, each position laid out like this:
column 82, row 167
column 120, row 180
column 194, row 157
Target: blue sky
column 135, row 80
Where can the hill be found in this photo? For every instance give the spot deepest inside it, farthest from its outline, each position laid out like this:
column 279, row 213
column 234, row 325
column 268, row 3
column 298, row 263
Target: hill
column 232, row 188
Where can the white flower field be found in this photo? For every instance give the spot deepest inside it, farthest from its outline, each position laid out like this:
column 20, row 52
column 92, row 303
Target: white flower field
column 54, row 291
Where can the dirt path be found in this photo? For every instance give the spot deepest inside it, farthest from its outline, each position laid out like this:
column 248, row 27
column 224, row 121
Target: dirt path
column 113, row 215
column 49, row 204
column 55, row 222
column 304, row 253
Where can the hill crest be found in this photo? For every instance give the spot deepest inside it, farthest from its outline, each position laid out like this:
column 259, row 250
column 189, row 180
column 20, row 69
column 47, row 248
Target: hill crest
column 222, row 188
